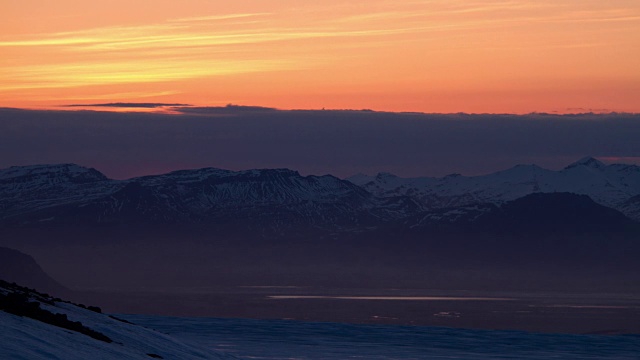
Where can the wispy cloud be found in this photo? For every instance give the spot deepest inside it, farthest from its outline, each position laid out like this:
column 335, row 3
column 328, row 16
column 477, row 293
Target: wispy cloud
column 179, row 49
column 142, row 38
column 219, row 17
column 129, row 105
column 126, row 72
column 36, row 95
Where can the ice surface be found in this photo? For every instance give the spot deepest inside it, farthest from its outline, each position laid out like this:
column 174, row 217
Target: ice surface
column 282, row 339
column 213, row 338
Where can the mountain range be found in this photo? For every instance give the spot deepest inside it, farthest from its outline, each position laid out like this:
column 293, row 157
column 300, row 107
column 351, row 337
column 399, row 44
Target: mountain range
column 280, row 199
column 576, row 227
column 616, row 186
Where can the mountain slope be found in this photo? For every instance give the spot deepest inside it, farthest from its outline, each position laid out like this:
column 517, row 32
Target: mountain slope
column 610, row 185
column 35, row 326
column 33, row 196
column 25, row 189
column 23, row 269
column 553, row 212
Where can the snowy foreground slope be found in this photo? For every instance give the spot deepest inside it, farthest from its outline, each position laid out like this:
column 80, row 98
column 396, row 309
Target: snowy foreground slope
column 207, row 338
column 22, row 337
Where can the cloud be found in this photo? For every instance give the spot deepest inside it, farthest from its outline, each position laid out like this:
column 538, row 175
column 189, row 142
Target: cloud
column 339, row 142
column 188, row 36
column 219, row 17
column 69, row 75
column 128, row 105
column 228, row 109
column 181, row 49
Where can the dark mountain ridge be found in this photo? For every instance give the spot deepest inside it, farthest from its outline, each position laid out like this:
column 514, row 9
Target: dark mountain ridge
column 613, row 185
column 21, row 268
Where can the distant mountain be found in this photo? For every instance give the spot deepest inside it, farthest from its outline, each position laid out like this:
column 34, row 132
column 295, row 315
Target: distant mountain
column 21, row 268
column 271, row 199
column 275, row 226
column 277, row 200
column 616, row 186
column 26, row 190
column 533, row 213
column 555, row 212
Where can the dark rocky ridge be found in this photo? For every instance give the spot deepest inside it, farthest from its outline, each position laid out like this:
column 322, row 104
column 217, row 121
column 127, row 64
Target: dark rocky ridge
column 21, row 268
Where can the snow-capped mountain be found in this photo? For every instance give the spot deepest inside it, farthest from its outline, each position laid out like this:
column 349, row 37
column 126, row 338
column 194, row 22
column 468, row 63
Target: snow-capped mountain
column 280, row 198
column 274, row 200
column 25, row 189
column 616, row 186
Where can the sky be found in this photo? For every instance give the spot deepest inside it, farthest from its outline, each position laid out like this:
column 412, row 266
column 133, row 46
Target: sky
column 434, row 56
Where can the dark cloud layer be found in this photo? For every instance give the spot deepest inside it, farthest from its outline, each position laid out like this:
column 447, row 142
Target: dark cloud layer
column 313, row 142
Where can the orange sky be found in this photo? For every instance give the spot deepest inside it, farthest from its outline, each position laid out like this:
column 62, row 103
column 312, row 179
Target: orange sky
column 430, row 56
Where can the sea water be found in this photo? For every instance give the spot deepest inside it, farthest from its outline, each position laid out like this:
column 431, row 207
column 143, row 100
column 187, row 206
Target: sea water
column 286, row 339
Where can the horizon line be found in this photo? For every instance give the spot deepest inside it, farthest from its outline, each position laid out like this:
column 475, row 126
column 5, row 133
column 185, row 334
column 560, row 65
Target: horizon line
column 175, row 109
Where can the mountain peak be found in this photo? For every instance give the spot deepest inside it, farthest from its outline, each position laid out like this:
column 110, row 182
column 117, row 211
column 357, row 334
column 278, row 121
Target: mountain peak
column 385, row 175
column 71, row 171
column 588, row 161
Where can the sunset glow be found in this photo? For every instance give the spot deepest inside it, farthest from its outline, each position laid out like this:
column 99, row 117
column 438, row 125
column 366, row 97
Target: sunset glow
column 430, row 56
